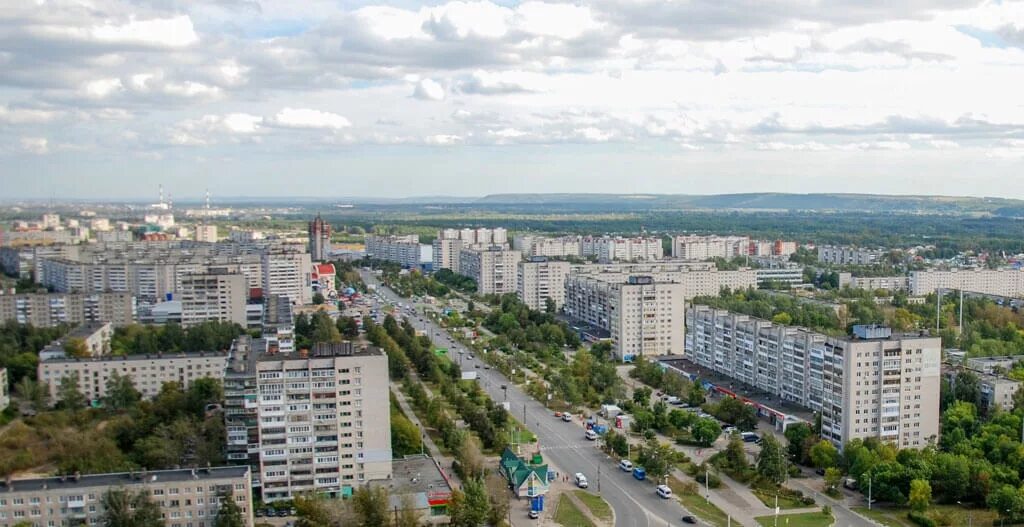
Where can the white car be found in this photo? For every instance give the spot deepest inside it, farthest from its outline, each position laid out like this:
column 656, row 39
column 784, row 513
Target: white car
column 626, row 465
column 664, row 491
column 590, row 435
column 581, row 480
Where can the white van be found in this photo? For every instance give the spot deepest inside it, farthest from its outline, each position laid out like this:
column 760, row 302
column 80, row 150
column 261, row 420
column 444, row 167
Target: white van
column 664, row 491
column 581, row 480
column 626, row 465
column 591, row 435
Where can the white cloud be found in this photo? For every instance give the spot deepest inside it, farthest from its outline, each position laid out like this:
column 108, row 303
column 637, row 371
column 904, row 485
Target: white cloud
column 101, row 88
column 308, row 118
column 429, row 90
column 26, row 115
column 443, row 140
column 172, row 32
column 35, row 145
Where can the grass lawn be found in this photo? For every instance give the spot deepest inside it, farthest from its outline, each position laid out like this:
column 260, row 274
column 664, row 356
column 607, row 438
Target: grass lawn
column 768, row 498
column 807, row 519
column 567, row 515
column 598, row 507
column 942, row 514
column 697, row 505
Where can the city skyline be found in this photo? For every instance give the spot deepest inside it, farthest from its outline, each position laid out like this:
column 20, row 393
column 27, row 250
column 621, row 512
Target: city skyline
column 475, row 98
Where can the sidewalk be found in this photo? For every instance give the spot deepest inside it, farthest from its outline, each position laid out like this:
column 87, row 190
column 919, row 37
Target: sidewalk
column 432, row 449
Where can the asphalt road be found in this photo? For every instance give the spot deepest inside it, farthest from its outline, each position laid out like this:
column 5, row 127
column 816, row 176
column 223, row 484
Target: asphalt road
column 635, row 502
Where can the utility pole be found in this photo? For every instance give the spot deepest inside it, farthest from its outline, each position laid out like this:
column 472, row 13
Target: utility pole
column 869, row 491
column 961, row 324
column 776, row 509
column 599, row 479
column 707, row 487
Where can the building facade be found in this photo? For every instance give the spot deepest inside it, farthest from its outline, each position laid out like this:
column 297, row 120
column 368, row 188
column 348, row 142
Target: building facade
column 404, row 250
column 493, row 268
column 874, row 283
column 873, row 384
column 187, row 497
column 845, row 255
column 559, row 247
column 217, row 296
column 617, row 248
column 319, row 232
column 694, row 247
column 539, row 279
column 288, row 274
column 999, row 282
column 147, row 372
column 51, row 309
column 206, row 233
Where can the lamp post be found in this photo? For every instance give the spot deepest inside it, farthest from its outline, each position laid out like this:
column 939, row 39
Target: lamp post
column 970, row 515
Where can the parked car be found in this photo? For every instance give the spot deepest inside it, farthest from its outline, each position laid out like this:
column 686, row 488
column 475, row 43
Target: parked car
column 729, row 430
column 258, row 513
column 819, row 471
column 664, row 491
column 626, row 465
column 640, row 473
column 590, row 435
column 690, row 520
column 533, row 515
column 567, row 417
column 750, row 437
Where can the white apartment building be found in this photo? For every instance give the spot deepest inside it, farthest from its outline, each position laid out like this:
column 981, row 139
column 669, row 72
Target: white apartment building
column 698, row 278
column 323, row 419
column 445, row 253
column 494, row 268
column 538, row 279
column 694, row 247
column 404, row 250
column 609, row 248
column 780, row 275
column 147, row 372
column 873, row 384
column 215, row 296
column 449, row 243
column 50, row 309
column 187, row 497
column 559, row 247
column 873, row 283
column 999, row 282
column 288, row 274
column 843, row 255
column 206, row 233
column 642, row 315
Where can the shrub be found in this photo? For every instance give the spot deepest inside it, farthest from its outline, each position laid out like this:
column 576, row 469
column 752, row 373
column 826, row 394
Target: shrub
column 826, row 510
column 920, row 519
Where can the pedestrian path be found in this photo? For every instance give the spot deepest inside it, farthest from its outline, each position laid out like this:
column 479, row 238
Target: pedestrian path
column 428, row 443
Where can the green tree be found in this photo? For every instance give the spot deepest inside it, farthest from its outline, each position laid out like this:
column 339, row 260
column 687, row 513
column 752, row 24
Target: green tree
column 121, row 392
column 318, row 299
column 705, row 431
column 796, row 435
column 35, row 393
column 735, row 455
column 75, row 347
column 920, row 495
column 832, row 478
column 371, row 506
column 642, row 396
column 782, row 318
column 407, row 515
column 696, row 395
column 123, row 508
column 229, row 514
column 549, row 305
column 771, row 462
column 324, row 329
column 470, row 506
column 68, row 395
column 824, row 454
column 405, row 436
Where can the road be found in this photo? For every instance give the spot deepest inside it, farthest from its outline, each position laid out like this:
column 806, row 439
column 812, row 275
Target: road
column 635, row 503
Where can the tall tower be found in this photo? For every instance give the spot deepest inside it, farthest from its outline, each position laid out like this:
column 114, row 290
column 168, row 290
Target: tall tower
column 319, row 239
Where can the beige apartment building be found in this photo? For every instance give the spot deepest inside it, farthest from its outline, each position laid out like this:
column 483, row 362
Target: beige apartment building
column 147, row 372
column 538, row 279
column 999, row 282
column 216, row 296
column 617, row 248
column 404, row 250
column 51, row 309
column 187, row 497
column 289, row 274
column 494, row 268
column 694, row 247
column 642, row 315
column 872, row 384
column 874, row 283
column 449, row 243
column 559, row 247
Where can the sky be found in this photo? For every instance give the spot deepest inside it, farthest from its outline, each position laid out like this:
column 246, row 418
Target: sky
column 111, row 98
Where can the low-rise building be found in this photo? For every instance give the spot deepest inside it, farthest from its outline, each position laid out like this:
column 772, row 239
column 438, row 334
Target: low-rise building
column 781, row 275
column 993, row 365
column 147, row 372
column 419, row 481
column 187, row 497
column 997, row 391
column 88, row 340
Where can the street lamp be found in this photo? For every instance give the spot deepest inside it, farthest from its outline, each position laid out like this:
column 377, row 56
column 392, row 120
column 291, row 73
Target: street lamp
column 970, row 515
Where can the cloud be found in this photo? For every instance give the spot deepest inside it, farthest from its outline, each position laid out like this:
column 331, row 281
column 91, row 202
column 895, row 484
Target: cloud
column 172, row 32
column 429, row 90
column 35, row 145
column 895, row 47
column 26, row 115
column 102, row 88
column 307, row 118
column 495, row 83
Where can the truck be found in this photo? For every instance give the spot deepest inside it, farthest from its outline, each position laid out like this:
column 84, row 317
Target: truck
column 609, row 411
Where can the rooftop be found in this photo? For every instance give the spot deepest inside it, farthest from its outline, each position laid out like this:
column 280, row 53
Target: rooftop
column 123, row 478
column 415, row 473
column 142, row 357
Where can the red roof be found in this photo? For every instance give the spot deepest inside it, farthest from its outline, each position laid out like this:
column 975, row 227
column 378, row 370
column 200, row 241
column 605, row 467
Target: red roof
column 325, row 269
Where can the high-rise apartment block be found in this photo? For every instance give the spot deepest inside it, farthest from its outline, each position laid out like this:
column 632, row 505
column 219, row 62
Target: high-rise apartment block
column 449, row 243
column 539, row 279
column 147, row 372
column 187, row 497
column 206, row 233
column 874, row 283
column 404, row 250
column 215, row 296
column 494, row 268
column 50, row 309
column 319, row 239
column 560, row 247
column 843, row 255
column 288, row 274
column 693, row 247
column 999, row 282
column 310, row 423
column 873, row 384
column 613, row 248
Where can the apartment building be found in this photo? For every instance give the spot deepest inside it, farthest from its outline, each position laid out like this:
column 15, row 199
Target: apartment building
column 560, row 247
column 997, row 391
column 404, row 250
column 319, row 232
column 872, row 384
column 187, row 497
column 874, row 283
column 993, row 365
column 617, row 248
column 847, row 255
column 780, row 275
column 215, row 296
column 288, row 274
column 493, row 268
column 694, row 247
column 999, row 282
column 92, row 339
column 51, row 309
column 449, row 243
column 147, row 372
column 539, row 279
column 312, row 423
column 698, row 278
column 206, row 233
column 643, row 315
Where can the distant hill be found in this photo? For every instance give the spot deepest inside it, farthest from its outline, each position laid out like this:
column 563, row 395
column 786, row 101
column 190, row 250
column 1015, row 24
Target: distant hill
column 769, row 201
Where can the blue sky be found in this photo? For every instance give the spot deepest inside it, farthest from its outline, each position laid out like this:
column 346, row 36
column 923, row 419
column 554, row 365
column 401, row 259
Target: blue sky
column 267, row 98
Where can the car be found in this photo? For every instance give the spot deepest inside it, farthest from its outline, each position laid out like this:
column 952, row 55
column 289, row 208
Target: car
column 819, row 471
column 271, row 513
column 282, row 513
column 258, row 513
column 558, row 415
column 567, row 417
column 590, row 435
column 750, row 437
column 626, row 465
column 729, row 430
column 664, row 491
column 504, row 387
column 533, row 515
column 690, row 520
column 487, row 366
column 476, row 366
column 292, row 511
column 581, row 480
